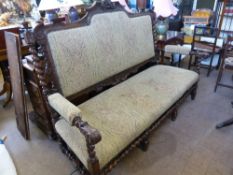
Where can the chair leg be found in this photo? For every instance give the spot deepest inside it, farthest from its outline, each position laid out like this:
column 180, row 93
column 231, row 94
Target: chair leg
column 218, row 78
column 197, row 64
column 190, row 61
column 219, row 60
column 193, row 94
column 162, row 57
column 179, row 60
column 172, row 60
column 210, row 66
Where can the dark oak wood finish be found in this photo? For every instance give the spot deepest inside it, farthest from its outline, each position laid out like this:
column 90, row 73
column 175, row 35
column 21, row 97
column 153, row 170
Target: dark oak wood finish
column 17, row 81
column 171, row 38
column 46, row 73
column 40, row 114
column 228, row 52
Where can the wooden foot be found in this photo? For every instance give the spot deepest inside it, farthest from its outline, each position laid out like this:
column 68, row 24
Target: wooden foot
column 197, row 64
column 193, row 94
column 174, row 115
column 144, row 145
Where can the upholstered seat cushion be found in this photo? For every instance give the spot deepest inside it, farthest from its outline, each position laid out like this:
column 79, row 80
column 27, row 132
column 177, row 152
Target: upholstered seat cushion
column 123, row 112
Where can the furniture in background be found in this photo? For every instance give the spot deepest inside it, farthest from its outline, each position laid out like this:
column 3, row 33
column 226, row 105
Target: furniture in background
column 226, row 63
column 178, row 53
column 204, row 47
column 3, row 63
column 13, row 47
column 171, row 38
column 40, row 115
column 224, row 17
column 225, row 123
column 199, row 17
column 116, row 100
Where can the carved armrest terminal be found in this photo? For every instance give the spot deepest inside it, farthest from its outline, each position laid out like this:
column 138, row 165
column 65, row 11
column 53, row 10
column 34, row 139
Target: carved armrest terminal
column 72, row 115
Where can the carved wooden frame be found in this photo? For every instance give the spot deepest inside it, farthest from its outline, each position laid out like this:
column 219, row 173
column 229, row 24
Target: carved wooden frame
column 45, row 70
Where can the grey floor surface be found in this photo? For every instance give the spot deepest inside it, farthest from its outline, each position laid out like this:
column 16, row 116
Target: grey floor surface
column 189, row 146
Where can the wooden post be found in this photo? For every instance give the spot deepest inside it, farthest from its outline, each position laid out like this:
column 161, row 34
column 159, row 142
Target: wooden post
column 222, row 15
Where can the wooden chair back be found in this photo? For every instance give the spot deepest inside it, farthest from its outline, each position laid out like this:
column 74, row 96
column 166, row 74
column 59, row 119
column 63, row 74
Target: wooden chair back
column 204, row 46
column 227, row 53
column 205, row 39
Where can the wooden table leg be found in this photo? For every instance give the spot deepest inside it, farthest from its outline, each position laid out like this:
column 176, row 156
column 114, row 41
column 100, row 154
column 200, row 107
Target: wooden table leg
column 7, row 85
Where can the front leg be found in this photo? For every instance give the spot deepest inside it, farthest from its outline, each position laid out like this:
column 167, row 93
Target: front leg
column 194, row 93
column 174, row 115
column 143, row 145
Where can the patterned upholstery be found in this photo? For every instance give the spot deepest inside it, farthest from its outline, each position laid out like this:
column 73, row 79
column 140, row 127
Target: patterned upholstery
column 64, row 107
column 100, row 50
column 183, row 50
column 229, row 61
column 123, row 112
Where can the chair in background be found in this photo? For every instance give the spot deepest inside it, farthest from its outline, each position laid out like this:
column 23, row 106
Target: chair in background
column 204, row 47
column 226, row 63
column 178, row 53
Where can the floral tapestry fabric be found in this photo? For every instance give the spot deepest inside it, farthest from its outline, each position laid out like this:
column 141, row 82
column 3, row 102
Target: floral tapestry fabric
column 112, row 43
column 123, row 112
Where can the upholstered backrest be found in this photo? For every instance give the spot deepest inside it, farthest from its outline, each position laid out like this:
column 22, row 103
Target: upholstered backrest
column 112, row 43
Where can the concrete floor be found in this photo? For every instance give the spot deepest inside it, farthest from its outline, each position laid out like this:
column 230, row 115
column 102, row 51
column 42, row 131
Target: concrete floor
column 189, row 146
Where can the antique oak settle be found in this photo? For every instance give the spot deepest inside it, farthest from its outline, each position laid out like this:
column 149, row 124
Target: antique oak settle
column 44, row 43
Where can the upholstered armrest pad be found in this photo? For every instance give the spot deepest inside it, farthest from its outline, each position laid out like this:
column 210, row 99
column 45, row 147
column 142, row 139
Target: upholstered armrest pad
column 184, row 50
column 65, row 108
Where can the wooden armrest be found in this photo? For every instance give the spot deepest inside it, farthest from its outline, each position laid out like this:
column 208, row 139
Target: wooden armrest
column 91, row 134
column 72, row 114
